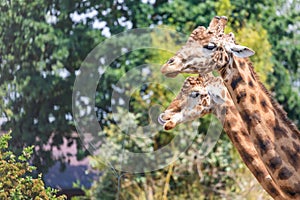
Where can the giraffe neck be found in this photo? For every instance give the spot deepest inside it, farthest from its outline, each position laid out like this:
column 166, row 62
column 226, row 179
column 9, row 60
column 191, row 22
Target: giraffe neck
column 234, row 127
column 275, row 138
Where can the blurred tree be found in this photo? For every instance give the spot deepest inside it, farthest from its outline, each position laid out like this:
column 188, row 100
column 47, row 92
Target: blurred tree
column 283, row 28
column 41, row 48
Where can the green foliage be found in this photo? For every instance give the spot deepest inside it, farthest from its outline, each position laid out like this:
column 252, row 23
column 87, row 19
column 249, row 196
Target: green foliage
column 15, row 183
column 166, row 41
column 256, row 38
column 185, row 15
column 224, row 8
column 35, row 53
column 283, row 29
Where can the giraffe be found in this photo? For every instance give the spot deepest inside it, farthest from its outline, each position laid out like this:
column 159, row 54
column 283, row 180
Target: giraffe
column 207, row 94
column 275, row 137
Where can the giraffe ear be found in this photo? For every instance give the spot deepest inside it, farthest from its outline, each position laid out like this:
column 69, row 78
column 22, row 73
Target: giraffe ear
column 241, row 51
column 216, row 98
column 215, row 90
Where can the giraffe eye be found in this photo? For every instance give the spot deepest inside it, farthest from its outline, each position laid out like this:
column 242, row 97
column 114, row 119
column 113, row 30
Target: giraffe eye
column 194, row 94
column 210, row 46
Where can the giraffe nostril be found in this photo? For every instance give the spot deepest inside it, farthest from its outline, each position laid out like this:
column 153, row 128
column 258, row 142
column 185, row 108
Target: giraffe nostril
column 171, row 60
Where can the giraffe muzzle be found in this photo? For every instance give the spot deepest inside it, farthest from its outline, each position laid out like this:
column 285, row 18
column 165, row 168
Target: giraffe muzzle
column 168, row 123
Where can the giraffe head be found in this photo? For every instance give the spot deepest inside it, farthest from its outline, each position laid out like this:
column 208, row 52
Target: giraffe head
column 198, row 96
column 206, row 50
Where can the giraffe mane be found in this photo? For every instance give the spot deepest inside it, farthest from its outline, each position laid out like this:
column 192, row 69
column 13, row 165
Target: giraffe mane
column 275, row 104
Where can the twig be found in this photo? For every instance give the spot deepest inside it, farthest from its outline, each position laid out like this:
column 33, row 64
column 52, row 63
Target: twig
column 167, row 183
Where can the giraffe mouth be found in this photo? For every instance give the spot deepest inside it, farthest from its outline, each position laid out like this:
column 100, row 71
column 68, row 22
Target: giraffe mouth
column 171, row 74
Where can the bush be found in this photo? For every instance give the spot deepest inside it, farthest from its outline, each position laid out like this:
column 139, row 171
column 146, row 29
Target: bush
column 15, row 179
